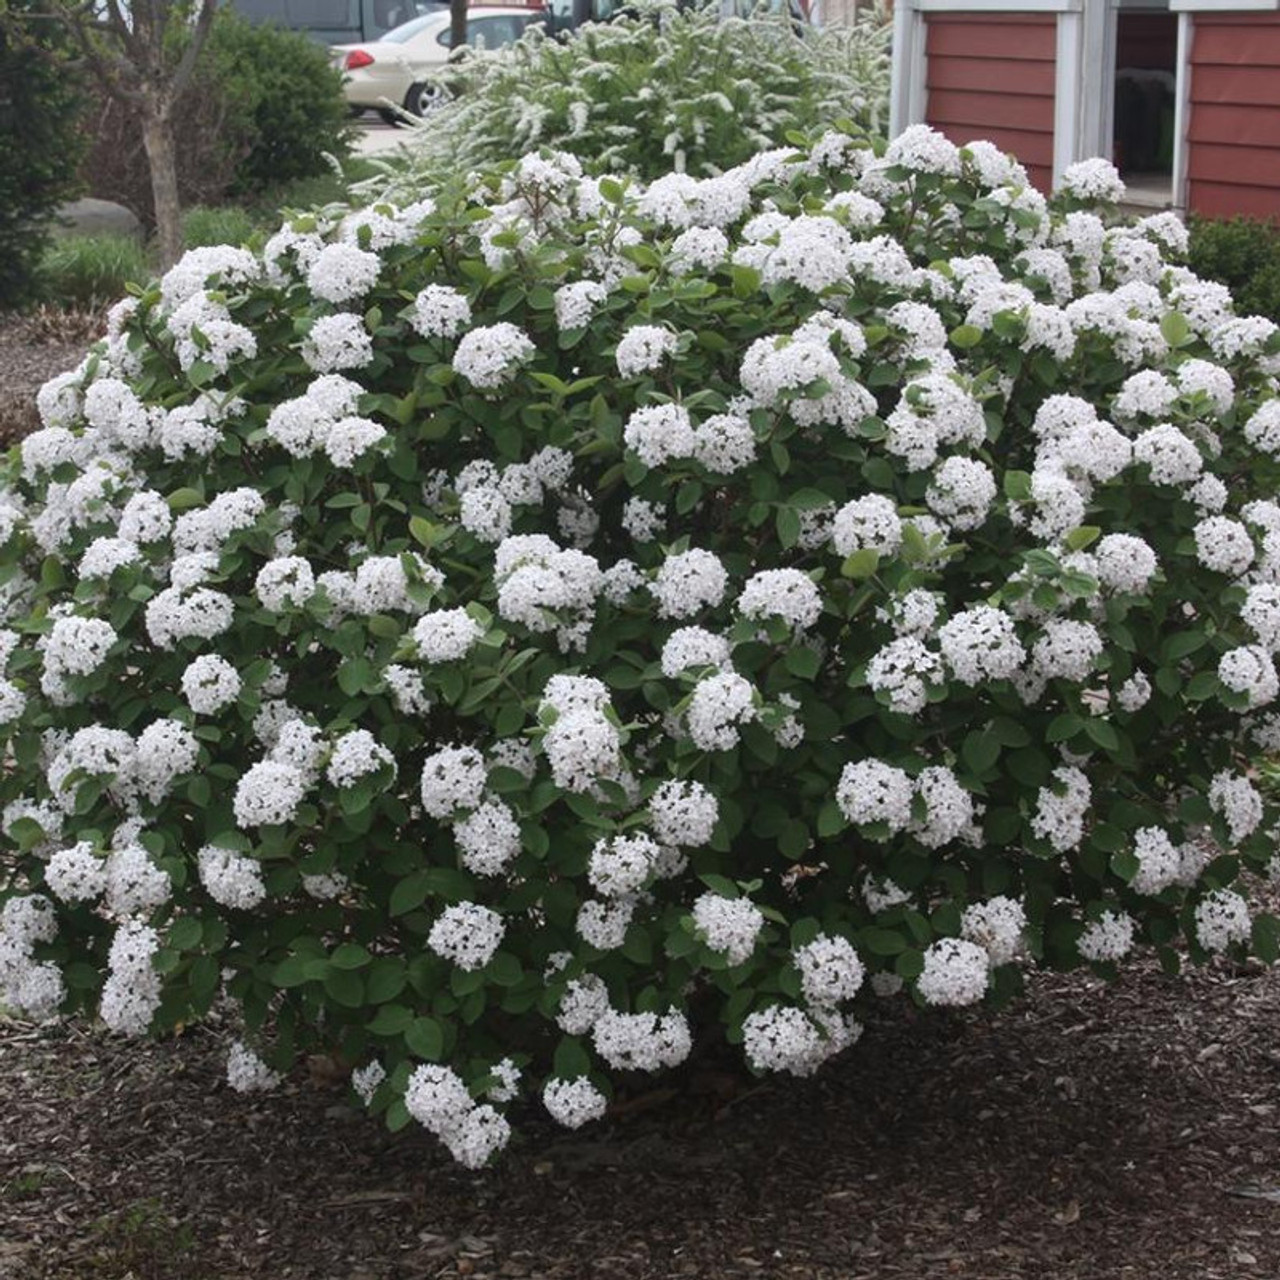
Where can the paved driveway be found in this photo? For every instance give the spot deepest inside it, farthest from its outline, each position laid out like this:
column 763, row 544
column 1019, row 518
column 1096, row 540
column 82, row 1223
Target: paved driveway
column 375, row 138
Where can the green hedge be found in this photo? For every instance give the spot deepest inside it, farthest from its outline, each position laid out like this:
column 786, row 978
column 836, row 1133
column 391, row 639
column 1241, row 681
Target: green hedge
column 40, row 125
column 286, row 101
column 1243, row 254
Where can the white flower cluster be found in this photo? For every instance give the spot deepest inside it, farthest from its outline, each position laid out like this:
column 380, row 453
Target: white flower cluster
column 246, row 1071
column 467, row 935
column 729, row 925
column 439, row 1100
column 796, row 1041
column 32, row 986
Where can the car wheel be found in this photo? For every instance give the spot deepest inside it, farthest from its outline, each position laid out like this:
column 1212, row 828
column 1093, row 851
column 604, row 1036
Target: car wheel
column 355, row 112
column 393, row 118
column 424, row 97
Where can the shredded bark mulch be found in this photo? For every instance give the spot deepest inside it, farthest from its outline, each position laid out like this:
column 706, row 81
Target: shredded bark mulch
column 1088, row 1133
column 32, row 349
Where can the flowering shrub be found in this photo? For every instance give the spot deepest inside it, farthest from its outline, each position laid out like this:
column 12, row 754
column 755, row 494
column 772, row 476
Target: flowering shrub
column 658, row 89
column 498, row 639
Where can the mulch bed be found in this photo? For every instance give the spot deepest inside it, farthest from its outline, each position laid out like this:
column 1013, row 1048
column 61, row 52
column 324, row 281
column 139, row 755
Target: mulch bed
column 1087, row 1133
column 32, row 349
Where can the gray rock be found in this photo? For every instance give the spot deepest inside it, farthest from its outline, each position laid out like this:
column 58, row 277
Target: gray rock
column 91, row 217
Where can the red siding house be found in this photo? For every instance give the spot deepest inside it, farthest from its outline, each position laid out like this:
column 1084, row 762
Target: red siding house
column 1184, row 95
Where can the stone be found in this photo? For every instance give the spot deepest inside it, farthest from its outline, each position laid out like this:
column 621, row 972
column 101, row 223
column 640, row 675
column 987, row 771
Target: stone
column 93, row 217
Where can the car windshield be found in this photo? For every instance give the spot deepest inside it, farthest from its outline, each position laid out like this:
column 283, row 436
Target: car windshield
column 407, row 30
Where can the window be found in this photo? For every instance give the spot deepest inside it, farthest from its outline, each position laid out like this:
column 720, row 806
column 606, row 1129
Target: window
column 496, row 31
column 407, row 30
column 320, row 14
column 1145, row 94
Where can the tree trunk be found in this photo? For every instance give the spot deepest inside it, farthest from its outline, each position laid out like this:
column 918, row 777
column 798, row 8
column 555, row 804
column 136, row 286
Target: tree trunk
column 157, row 138
column 457, row 23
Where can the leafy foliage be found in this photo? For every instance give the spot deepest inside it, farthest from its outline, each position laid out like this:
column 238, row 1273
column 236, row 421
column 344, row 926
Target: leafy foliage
column 287, row 101
column 40, row 123
column 92, row 271
column 660, row 88
column 520, row 630
column 1244, row 254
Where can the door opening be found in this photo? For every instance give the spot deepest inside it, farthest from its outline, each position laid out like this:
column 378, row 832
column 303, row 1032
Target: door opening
column 1145, row 97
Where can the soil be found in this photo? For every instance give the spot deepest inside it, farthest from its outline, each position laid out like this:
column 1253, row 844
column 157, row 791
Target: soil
column 1087, row 1133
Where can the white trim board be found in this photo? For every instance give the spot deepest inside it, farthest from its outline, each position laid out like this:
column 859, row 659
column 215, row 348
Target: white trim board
column 1068, row 77
column 907, row 98
column 1182, row 109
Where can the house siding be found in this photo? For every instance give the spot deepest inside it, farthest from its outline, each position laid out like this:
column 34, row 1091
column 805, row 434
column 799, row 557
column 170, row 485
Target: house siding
column 1233, row 135
column 992, row 75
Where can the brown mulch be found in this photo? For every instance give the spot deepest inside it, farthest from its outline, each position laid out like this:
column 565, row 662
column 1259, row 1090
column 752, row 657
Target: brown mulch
column 33, row 348
column 1087, row 1133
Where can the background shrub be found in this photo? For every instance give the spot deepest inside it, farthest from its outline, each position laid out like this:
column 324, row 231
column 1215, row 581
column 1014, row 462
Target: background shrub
column 1244, row 254
column 288, row 101
column 264, row 108
column 660, row 88
column 40, row 99
column 508, row 638
column 92, row 271
column 225, row 224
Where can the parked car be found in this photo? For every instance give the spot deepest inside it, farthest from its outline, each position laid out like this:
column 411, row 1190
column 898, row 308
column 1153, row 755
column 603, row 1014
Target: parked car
column 338, row 21
column 401, row 68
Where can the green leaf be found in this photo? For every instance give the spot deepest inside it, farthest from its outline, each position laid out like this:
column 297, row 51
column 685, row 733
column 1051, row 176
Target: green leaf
column 409, row 894
column 720, row 884
column 966, row 336
column 504, row 970
column 385, row 980
column 1266, row 938
column 1125, row 864
column 788, row 526
column 425, row 1038
column 861, row 565
column 571, row 1059
column 802, row 662
column 292, row 971
column 981, row 750
column 184, row 499
column 831, row 821
column 185, row 933
column 1103, row 733
column 881, row 942
column 1180, row 646
column 1017, row 486
column 398, row 1116
column 344, row 987
column 746, row 281
column 1202, row 686
column 1176, row 330
column 391, row 1020
column 1082, row 537
column 350, row 956
column 1064, row 727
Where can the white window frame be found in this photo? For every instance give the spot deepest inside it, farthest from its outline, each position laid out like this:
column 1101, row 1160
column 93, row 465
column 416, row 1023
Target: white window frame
column 1084, row 115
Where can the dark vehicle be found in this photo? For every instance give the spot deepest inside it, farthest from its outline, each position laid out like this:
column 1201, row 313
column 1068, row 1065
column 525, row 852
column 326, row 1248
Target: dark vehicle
column 337, row 21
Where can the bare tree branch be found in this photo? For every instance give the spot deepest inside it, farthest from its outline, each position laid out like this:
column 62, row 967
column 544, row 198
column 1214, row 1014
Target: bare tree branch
column 199, row 34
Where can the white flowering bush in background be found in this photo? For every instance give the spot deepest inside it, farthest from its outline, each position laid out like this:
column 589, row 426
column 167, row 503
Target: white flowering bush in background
column 500, row 638
column 658, row 88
